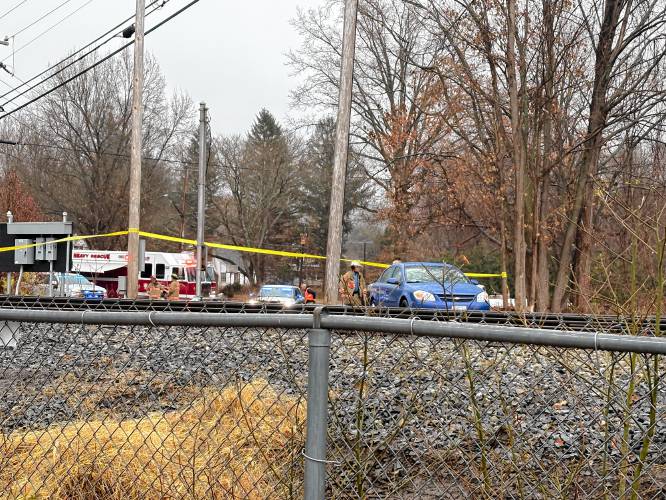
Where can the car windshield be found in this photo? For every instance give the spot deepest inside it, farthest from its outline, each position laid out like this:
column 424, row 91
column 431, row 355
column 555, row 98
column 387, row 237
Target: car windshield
column 77, row 280
column 269, row 291
column 434, row 274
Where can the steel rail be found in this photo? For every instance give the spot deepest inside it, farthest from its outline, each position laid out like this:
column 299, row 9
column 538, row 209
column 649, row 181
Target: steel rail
column 492, row 333
column 547, row 321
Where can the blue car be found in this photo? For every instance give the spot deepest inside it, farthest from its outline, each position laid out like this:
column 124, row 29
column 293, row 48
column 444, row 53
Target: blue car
column 427, row 285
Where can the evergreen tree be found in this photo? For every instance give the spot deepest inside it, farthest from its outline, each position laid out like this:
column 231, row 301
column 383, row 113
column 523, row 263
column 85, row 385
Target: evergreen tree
column 265, row 128
column 316, row 184
column 262, row 182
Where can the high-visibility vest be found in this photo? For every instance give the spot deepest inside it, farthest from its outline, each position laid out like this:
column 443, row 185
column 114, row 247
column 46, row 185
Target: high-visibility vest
column 309, row 297
column 154, row 291
column 174, row 290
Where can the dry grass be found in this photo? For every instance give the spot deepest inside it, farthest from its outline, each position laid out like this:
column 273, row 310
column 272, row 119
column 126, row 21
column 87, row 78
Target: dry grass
column 238, row 443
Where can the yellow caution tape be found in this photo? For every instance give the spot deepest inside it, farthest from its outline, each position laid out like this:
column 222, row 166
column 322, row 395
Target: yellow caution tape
column 174, row 239
column 485, row 275
column 264, row 251
column 63, row 240
column 282, row 253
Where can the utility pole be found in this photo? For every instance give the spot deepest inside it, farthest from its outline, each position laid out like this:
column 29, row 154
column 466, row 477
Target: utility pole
column 201, row 210
column 135, row 156
column 334, row 244
column 301, row 266
column 364, row 258
column 183, row 207
column 10, row 220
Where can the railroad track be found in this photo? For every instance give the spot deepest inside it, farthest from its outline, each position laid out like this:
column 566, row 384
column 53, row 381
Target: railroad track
column 572, row 322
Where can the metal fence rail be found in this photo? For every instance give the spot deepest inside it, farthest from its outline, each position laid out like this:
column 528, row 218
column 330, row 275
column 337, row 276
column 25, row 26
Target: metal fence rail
column 196, row 405
column 547, row 321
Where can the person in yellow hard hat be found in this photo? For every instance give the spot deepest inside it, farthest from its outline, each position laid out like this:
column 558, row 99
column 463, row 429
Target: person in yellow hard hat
column 352, row 286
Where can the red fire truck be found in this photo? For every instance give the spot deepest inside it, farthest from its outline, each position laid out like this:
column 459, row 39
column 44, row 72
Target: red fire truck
column 109, row 270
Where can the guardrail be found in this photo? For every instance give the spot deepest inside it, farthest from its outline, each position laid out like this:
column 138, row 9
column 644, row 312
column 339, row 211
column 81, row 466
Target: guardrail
column 263, row 405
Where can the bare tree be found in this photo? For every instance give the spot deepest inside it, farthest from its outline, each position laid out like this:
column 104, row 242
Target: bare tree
column 80, row 160
column 629, row 48
column 394, row 130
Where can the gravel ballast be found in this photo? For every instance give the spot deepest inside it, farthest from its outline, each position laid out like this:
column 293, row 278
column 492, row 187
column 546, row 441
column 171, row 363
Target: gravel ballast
column 418, row 416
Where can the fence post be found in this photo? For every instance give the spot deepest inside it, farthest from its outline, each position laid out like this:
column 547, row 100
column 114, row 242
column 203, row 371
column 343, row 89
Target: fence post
column 319, row 341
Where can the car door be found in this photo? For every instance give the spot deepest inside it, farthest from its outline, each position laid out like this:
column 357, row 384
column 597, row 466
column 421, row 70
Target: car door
column 379, row 288
column 394, row 291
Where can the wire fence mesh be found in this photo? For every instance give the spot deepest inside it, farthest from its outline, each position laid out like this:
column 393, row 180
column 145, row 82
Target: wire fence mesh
column 135, row 412
column 438, row 418
column 110, row 411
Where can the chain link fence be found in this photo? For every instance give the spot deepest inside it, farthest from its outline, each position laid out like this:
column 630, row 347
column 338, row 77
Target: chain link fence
column 99, row 411
column 440, row 418
column 103, row 404
column 547, row 321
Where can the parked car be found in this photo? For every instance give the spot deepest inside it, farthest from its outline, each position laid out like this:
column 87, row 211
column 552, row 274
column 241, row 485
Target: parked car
column 280, row 294
column 75, row 285
column 427, row 285
column 497, row 302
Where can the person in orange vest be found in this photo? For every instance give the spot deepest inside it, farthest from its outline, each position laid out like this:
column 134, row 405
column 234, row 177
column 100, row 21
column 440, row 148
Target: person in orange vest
column 309, row 294
column 154, row 289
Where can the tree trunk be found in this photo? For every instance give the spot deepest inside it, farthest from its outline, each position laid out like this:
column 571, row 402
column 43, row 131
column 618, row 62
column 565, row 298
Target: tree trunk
column 534, row 256
column 504, row 263
column 584, row 261
column 542, row 286
column 596, row 124
column 518, row 162
column 543, row 275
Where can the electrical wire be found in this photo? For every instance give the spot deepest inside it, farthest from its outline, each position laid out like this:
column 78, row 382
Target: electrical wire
column 22, row 123
column 144, row 158
column 47, row 30
column 12, row 9
column 97, row 63
column 62, row 4
column 103, row 153
column 63, row 68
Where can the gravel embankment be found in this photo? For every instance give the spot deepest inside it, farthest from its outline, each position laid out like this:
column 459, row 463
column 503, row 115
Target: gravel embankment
column 413, row 404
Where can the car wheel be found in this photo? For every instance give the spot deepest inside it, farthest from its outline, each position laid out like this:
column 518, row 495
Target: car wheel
column 404, row 304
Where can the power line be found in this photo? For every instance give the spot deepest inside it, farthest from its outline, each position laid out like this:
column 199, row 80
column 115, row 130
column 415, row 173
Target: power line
column 103, row 153
column 27, row 125
column 63, row 68
column 12, row 9
column 97, row 63
column 44, row 16
column 46, row 31
column 148, row 158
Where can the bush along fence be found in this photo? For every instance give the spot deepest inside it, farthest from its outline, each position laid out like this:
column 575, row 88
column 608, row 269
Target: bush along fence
column 163, row 404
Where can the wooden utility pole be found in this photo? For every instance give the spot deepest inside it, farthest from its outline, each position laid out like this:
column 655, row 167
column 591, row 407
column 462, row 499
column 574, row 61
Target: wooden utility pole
column 135, row 156
column 201, row 197
column 183, row 207
column 334, row 244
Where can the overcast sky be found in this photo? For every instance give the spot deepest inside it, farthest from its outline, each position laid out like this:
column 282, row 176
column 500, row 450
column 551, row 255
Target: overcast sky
column 229, row 53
